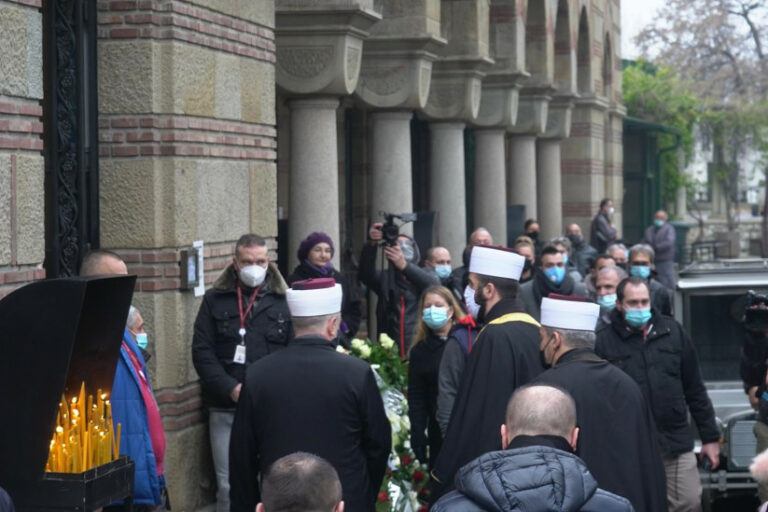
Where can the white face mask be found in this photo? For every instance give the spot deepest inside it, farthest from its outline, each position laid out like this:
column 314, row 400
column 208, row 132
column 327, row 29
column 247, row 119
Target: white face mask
column 469, row 299
column 252, row 275
column 611, row 210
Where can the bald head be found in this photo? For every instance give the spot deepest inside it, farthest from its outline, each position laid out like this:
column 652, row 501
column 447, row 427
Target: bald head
column 480, row 236
column 573, row 229
column 101, row 263
column 540, row 410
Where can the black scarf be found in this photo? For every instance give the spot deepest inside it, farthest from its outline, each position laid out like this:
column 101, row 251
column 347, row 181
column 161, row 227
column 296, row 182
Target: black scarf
column 542, row 286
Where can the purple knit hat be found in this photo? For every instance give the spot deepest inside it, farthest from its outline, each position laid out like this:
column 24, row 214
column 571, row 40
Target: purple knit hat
column 312, row 240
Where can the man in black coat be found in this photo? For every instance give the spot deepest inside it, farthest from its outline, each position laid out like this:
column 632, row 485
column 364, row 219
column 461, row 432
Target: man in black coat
column 398, row 288
column 617, row 436
column 641, row 264
column 656, row 352
column 603, row 232
column 549, row 277
column 311, row 398
column 505, row 356
column 584, row 255
column 243, row 318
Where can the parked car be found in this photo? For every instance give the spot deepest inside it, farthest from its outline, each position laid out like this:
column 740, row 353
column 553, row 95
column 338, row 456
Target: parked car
column 709, row 302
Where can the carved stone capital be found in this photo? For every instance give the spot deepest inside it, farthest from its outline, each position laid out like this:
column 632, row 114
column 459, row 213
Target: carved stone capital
column 498, row 106
column 559, row 117
column 396, row 72
column 532, row 113
column 320, row 52
column 456, row 89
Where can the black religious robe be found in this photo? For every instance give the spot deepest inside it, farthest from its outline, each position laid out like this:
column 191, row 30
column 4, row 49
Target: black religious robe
column 617, row 435
column 505, row 356
column 310, row 398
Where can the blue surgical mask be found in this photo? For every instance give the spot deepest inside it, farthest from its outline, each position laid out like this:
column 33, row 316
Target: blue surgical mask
column 637, row 317
column 565, row 258
column 641, row 271
column 435, row 317
column 658, row 223
column 141, row 340
column 408, row 251
column 443, row 271
column 555, row 275
column 608, row 301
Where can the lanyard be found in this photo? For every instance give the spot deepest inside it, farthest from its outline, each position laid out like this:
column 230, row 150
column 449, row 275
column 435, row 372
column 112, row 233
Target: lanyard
column 248, row 309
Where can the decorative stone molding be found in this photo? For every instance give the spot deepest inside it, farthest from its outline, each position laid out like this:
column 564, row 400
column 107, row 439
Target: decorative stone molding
column 498, row 106
column 456, row 89
column 559, row 117
column 396, row 72
column 320, row 51
column 532, row 113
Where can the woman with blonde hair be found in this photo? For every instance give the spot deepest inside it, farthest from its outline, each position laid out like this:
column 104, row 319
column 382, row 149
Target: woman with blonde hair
column 441, row 317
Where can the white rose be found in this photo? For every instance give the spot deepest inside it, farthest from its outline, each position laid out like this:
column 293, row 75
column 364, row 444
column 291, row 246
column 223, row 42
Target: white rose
column 365, row 351
column 386, row 341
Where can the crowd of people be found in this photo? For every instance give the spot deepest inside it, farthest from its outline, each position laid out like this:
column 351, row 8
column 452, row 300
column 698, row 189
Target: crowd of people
column 548, row 375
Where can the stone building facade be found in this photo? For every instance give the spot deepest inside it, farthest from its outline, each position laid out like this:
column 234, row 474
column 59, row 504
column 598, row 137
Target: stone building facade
column 211, row 116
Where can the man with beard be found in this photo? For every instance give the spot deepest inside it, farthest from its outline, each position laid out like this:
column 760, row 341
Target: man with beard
column 549, row 277
column 505, row 356
column 615, row 422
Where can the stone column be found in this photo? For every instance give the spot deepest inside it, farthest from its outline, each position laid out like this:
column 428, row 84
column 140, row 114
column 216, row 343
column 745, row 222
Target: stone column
column 490, row 184
column 391, row 188
column 548, row 188
column 447, row 195
column 314, row 193
column 521, row 185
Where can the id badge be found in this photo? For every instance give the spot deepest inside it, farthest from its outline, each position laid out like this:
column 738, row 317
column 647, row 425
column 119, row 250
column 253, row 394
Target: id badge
column 240, row 354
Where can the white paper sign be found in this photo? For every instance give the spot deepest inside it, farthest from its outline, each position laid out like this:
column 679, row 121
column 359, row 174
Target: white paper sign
column 200, row 288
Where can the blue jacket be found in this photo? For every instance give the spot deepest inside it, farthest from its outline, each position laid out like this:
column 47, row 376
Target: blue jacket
column 530, row 479
column 128, row 409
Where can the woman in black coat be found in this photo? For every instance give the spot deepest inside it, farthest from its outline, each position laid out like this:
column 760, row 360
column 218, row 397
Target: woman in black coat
column 440, row 319
column 315, row 253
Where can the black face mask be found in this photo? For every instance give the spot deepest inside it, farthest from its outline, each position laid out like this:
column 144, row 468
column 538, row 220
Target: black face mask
column 533, row 235
column 576, row 239
column 623, row 266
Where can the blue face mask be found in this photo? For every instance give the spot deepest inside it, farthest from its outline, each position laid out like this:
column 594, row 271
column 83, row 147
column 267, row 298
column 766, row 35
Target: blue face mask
column 565, row 258
column 555, row 274
column 608, row 301
column 637, row 317
column 641, row 271
column 435, row 317
column 658, row 223
column 141, row 340
column 443, row 271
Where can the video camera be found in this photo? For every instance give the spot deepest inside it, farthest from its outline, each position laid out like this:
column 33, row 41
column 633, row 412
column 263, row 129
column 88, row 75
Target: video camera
column 390, row 231
column 756, row 311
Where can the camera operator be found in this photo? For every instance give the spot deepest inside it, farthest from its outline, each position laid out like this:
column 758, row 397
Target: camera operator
column 398, row 288
column 754, row 370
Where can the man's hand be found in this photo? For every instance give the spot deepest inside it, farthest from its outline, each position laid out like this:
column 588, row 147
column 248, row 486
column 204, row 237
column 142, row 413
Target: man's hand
column 752, row 395
column 235, row 393
column 395, row 255
column 374, row 234
column 712, row 452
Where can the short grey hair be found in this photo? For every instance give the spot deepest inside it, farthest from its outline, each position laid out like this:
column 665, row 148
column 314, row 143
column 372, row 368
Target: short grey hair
column 535, row 410
column 309, row 324
column 642, row 249
column 133, row 313
column 620, row 273
column 573, row 338
column 561, row 240
column 614, row 247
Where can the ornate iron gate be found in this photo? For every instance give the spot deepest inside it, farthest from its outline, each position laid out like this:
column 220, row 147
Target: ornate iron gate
column 71, row 134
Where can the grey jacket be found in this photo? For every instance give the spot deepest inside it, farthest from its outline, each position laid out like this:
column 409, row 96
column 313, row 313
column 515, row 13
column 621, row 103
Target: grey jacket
column 662, row 240
column 602, row 233
column 530, row 479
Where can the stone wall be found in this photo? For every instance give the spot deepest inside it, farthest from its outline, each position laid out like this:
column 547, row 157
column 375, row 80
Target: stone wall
column 187, row 152
column 22, row 170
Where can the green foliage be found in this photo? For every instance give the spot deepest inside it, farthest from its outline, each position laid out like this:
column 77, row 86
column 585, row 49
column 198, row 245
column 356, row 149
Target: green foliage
column 656, row 94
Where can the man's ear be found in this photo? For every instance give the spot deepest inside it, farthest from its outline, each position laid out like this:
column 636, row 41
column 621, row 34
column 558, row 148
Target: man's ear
column 332, row 327
column 260, row 507
column 491, row 290
column 504, row 440
column 234, row 262
column 340, row 507
column 574, row 438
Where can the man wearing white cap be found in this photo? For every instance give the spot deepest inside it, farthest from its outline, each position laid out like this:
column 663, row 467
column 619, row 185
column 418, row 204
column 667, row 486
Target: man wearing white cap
column 311, row 398
column 617, row 435
column 505, row 356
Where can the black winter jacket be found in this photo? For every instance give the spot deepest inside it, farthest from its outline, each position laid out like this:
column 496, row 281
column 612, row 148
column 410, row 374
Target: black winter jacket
column 530, row 479
column 753, row 368
column 267, row 325
column 398, row 293
column 584, row 257
column 666, row 368
column 350, row 302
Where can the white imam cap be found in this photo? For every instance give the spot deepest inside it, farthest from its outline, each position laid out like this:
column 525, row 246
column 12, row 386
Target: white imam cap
column 314, row 297
column 569, row 314
column 496, row 262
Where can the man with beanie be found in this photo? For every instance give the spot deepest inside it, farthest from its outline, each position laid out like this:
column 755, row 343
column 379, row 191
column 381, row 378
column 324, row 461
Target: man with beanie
column 398, row 288
column 615, row 423
column 313, row 399
column 315, row 260
column 242, row 318
column 505, row 356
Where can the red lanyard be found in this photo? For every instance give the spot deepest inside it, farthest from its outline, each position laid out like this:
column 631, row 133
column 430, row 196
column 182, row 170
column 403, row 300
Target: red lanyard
column 240, row 304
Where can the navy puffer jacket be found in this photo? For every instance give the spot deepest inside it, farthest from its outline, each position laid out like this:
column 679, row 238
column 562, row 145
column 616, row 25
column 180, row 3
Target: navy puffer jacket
column 530, row 479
